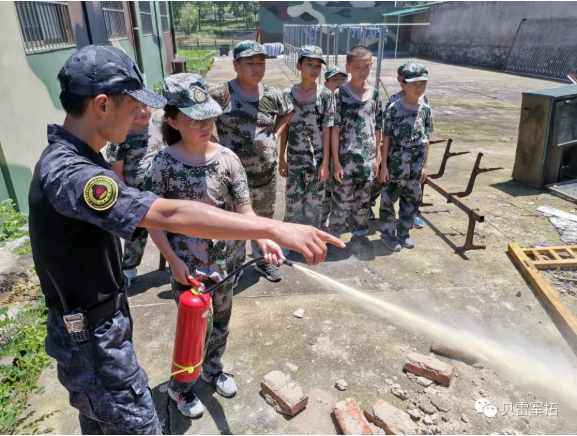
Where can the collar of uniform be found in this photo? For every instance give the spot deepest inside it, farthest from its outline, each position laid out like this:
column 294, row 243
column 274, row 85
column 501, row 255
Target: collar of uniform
column 59, row 134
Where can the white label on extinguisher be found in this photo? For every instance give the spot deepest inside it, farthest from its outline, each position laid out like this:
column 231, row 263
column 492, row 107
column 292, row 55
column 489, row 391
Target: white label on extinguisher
column 205, row 314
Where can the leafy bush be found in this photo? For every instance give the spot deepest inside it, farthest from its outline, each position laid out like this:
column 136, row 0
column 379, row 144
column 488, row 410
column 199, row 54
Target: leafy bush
column 24, row 336
column 12, row 222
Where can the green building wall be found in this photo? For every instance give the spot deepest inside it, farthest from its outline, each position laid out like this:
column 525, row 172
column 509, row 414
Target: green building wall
column 29, row 94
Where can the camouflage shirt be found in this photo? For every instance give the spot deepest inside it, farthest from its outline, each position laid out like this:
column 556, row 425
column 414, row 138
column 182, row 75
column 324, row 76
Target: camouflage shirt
column 407, row 127
column 305, row 139
column 247, row 128
column 221, row 182
column 398, row 96
column 137, row 151
column 358, row 122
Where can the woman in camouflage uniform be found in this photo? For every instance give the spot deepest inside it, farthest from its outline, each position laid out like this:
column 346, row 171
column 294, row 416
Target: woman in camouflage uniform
column 195, row 168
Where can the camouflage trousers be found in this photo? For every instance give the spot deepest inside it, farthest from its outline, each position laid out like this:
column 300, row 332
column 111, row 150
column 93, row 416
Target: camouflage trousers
column 305, row 195
column 350, row 206
column 376, row 188
column 134, row 250
column 263, row 200
column 405, row 167
column 216, row 332
column 102, row 376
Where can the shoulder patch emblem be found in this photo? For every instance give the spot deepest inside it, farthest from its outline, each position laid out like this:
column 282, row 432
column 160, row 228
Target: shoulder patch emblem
column 101, row 193
column 256, row 48
column 200, row 96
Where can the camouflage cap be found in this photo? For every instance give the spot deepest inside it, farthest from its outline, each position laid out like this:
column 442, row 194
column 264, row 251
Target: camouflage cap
column 404, row 65
column 245, row 49
column 188, row 92
column 310, row 51
column 414, row 72
column 334, row 70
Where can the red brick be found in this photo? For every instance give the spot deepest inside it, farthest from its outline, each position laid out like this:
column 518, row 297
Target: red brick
column 285, row 395
column 429, row 367
column 350, row 418
column 391, row 419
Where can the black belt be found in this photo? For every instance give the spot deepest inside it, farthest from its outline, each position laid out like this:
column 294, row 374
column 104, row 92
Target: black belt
column 107, row 308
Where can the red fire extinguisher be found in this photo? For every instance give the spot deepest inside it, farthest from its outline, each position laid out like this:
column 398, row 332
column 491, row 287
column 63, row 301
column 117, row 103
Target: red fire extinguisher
column 191, row 324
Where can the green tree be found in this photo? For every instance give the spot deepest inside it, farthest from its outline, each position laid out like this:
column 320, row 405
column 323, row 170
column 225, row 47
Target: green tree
column 235, row 9
column 220, row 13
column 188, row 18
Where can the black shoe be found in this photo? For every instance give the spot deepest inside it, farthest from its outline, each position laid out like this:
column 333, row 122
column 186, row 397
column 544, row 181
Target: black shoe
column 405, row 240
column 270, row 271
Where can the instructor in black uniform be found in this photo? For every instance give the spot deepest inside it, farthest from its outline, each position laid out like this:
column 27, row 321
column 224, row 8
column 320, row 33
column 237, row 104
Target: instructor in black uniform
column 78, row 211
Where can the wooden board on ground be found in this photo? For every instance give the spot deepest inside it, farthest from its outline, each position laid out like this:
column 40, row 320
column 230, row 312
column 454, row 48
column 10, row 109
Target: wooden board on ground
column 566, row 321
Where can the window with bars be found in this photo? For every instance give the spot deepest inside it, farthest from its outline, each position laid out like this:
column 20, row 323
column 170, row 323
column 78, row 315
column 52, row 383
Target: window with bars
column 145, row 17
column 164, row 16
column 114, row 20
column 44, row 25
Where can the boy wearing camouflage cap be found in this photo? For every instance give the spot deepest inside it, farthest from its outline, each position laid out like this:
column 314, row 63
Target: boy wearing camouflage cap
column 254, row 116
column 377, row 185
column 308, row 140
column 335, row 77
column 355, row 147
column 130, row 160
column 408, row 123
column 195, row 168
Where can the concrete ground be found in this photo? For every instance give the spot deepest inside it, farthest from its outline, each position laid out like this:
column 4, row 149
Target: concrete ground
column 337, row 339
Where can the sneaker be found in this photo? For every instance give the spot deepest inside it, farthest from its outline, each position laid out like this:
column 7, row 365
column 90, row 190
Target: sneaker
column 130, row 274
column 222, row 382
column 405, row 240
column 188, row 403
column 371, row 215
column 390, row 241
column 418, row 223
column 270, row 271
column 237, row 278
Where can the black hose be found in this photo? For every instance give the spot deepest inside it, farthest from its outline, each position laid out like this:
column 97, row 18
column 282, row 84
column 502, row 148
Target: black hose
column 239, row 269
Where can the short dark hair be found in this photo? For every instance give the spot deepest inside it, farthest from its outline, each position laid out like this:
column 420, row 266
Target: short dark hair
column 75, row 105
column 169, row 134
column 358, row 51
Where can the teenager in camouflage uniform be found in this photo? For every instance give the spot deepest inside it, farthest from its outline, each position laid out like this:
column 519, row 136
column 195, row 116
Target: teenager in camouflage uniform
column 377, row 185
column 195, row 168
column 254, row 116
column 335, row 77
column 355, row 146
column 130, row 160
column 408, row 123
column 308, row 141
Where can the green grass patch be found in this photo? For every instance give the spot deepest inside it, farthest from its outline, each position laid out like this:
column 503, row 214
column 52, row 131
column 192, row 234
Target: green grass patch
column 198, row 61
column 23, row 336
column 12, row 223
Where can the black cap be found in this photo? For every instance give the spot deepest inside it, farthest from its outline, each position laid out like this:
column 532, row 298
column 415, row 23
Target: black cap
column 103, row 69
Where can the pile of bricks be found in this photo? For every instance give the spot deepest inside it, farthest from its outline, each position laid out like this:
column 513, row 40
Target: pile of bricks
column 381, row 417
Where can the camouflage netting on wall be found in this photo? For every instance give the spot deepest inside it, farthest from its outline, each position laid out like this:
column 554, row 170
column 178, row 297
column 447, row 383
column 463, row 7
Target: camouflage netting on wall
column 274, row 14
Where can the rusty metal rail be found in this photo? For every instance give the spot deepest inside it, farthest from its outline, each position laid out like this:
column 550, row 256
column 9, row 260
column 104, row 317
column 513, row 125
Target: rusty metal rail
column 456, row 197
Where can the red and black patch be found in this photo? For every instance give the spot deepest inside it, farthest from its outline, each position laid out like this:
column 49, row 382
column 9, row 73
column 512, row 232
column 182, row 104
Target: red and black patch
column 101, row 193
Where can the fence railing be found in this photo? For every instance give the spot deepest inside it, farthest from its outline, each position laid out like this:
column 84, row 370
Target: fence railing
column 544, row 48
column 297, row 35
column 206, row 45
